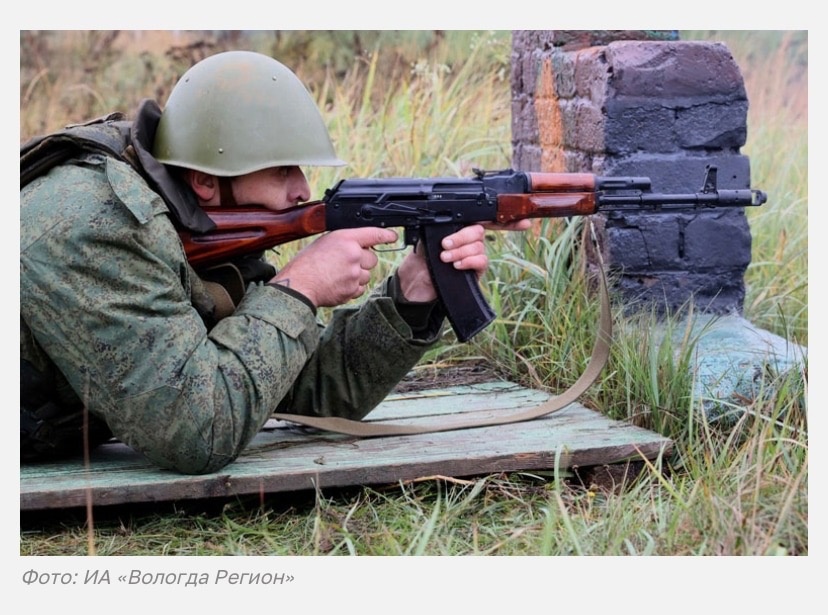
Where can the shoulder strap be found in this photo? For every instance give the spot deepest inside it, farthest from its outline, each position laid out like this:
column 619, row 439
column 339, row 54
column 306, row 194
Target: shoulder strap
column 600, row 355
column 108, row 134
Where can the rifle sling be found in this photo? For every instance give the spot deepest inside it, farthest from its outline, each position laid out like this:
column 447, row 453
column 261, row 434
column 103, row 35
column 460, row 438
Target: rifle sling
column 600, row 355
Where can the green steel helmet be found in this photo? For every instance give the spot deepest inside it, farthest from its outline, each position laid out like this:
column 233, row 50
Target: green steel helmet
column 237, row 112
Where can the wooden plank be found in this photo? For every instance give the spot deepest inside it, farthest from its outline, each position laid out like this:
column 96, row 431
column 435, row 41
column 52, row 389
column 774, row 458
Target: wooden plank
column 285, row 457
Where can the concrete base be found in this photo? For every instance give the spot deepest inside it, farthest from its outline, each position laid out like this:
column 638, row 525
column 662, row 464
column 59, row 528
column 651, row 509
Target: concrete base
column 736, row 362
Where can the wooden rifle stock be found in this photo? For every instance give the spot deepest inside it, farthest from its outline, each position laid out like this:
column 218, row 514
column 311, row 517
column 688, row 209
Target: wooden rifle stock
column 247, row 230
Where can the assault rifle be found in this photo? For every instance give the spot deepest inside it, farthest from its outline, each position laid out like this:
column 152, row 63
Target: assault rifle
column 429, row 209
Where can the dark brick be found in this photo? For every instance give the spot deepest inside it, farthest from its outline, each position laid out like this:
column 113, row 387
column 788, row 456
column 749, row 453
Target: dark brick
column 717, row 293
column 675, row 70
column 712, row 125
column 634, row 128
column 639, row 243
column 698, row 242
column 720, row 239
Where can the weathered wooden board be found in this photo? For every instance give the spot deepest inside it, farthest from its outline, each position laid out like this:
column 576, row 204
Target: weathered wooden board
column 285, row 457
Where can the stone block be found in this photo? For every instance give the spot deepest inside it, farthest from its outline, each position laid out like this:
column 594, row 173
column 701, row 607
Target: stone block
column 583, row 126
column 679, row 242
column 636, row 128
column 717, row 240
column 592, row 73
column 641, row 243
column 676, row 70
column 719, row 292
column 712, row 126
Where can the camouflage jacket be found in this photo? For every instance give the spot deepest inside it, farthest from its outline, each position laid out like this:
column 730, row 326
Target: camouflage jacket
column 109, row 303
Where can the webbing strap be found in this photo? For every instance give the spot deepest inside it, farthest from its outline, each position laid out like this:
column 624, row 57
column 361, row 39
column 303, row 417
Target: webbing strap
column 600, row 355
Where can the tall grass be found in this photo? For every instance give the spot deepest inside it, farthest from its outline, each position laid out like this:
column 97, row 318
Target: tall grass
column 441, row 105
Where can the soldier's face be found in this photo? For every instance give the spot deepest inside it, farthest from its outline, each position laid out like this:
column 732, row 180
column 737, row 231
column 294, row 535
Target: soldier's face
column 275, row 188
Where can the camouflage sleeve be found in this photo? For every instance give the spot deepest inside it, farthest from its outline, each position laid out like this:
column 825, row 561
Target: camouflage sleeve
column 364, row 352
column 105, row 289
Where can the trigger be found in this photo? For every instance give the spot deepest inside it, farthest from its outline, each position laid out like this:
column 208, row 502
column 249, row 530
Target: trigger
column 410, row 236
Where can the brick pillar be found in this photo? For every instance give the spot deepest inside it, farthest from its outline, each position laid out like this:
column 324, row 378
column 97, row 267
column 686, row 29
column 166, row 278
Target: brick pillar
column 643, row 103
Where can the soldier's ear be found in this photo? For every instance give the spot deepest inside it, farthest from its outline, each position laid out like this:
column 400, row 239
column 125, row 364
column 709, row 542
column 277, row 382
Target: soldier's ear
column 204, row 185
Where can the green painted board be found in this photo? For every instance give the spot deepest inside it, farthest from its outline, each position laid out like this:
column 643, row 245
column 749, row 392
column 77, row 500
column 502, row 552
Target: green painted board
column 285, row 457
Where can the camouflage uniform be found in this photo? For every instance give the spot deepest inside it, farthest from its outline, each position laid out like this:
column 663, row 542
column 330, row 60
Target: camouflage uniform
column 112, row 313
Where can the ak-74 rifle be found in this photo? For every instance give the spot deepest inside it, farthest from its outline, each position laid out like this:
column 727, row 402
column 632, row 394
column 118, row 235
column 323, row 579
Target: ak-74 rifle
column 429, row 209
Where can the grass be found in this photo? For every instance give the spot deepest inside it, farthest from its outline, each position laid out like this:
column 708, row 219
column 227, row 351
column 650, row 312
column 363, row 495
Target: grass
column 735, row 490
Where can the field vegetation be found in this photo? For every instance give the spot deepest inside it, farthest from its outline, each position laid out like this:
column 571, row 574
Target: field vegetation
column 432, row 103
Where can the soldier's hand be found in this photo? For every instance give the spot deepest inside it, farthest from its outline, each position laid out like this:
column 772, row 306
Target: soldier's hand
column 336, row 267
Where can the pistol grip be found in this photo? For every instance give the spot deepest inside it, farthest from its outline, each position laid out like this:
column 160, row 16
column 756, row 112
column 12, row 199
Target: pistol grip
column 458, row 291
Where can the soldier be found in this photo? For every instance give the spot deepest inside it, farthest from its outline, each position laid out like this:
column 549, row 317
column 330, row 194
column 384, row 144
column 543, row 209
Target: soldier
column 118, row 330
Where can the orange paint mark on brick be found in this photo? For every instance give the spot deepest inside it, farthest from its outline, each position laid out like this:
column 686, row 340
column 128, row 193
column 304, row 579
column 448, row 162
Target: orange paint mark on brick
column 550, row 121
column 550, row 129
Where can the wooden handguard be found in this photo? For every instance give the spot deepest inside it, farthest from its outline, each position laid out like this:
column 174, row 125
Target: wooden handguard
column 561, row 182
column 513, row 207
column 551, row 195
